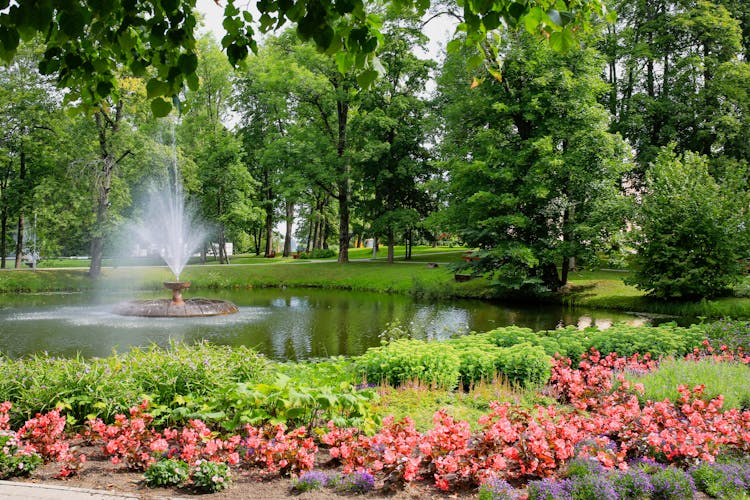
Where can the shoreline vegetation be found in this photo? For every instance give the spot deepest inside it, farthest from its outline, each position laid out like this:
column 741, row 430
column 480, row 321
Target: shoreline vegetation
column 601, row 289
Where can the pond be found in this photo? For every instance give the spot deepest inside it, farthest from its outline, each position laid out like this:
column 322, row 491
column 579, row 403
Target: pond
column 284, row 324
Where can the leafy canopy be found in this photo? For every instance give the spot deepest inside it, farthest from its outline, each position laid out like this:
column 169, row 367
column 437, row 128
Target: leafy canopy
column 88, row 44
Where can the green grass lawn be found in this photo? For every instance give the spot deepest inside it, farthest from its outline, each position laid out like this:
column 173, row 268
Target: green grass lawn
column 593, row 289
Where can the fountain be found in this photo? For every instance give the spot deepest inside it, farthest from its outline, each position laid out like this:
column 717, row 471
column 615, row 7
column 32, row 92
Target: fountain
column 172, row 229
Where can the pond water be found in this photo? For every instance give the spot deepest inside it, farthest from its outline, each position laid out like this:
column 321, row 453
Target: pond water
column 281, row 323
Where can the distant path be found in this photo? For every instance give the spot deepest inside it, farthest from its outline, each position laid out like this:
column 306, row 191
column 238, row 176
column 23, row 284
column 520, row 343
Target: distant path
column 397, row 260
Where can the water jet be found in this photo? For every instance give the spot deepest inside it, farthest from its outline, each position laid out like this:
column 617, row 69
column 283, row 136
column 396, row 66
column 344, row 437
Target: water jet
column 171, row 228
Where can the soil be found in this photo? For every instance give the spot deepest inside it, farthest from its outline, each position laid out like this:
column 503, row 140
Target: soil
column 99, row 473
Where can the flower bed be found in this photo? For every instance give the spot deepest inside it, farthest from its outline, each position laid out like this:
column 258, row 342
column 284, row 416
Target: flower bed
column 598, row 418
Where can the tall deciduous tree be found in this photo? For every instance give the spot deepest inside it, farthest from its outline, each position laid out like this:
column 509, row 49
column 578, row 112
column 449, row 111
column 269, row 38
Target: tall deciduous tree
column 28, row 111
column 531, row 161
column 390, row 136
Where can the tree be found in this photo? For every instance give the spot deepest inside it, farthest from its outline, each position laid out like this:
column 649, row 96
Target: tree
column 27, row 113
column 677, row 76
column 390, row 134
column 533, row 168
column 227, row 187
column 691, row 230
column 88, row 45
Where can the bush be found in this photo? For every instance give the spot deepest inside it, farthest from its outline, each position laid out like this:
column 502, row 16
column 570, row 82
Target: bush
column 634, row 484
column 691, row 231
column 318, row 253
column 672, row 484
column 356, row 482
column 310, row 481
column 167, row 472
column 721, row 480
column 14, row 461
column 210, row 477
column 496, row 489
column 550, row 489
column 593, row 487
column 525, row 364
column 411, row 360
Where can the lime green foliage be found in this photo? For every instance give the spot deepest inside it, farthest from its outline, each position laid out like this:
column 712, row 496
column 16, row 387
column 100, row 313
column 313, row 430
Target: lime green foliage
column 407, row 360
column 727, row 379
column 625, row 340
column 167, row 472
column 464, row 360
column 525, row 364
column 520, row 355
column 294, row 403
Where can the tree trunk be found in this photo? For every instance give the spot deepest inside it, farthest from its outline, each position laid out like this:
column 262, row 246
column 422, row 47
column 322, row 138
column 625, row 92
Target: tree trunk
column 257, row 238
column 269, row 232
column 549, row 276
column 19, row 237
column 288, row 232
column 3, row 237
column 344, row 184
column 391, row 244
column 310, row 225
column 409, row 243
column 19, row 242
column 104, row 123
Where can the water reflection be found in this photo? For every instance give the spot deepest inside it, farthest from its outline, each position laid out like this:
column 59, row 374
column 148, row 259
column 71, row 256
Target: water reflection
column 283, row 324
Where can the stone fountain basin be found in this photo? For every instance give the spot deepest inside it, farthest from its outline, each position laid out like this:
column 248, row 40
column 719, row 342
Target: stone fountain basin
column 166, row 308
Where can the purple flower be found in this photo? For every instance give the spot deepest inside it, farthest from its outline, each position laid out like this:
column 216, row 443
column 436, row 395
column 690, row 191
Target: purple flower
column 550, row 489
column 310, row 481
column 496, row 489
column 634, row 484
column 356, row 482
column 593, row 487
column 672, row 484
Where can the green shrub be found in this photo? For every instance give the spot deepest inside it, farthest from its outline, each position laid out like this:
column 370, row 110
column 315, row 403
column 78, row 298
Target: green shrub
column 318, row 253
column 15, row 462
column 167, row 472
column 209, row 477
column 294, row 403
column 408, row 360
column 691, row 231
column 525, row 364
column 663, row 340
column 179, row 380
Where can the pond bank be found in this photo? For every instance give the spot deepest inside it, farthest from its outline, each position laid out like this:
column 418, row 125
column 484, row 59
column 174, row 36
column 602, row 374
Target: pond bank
column 596, row 290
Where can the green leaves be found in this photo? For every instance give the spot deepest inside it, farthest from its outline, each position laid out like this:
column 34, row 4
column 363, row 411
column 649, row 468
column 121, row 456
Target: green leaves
column 562, row 41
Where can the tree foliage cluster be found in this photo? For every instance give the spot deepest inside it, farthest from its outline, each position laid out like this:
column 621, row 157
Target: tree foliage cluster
column 550, row 138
